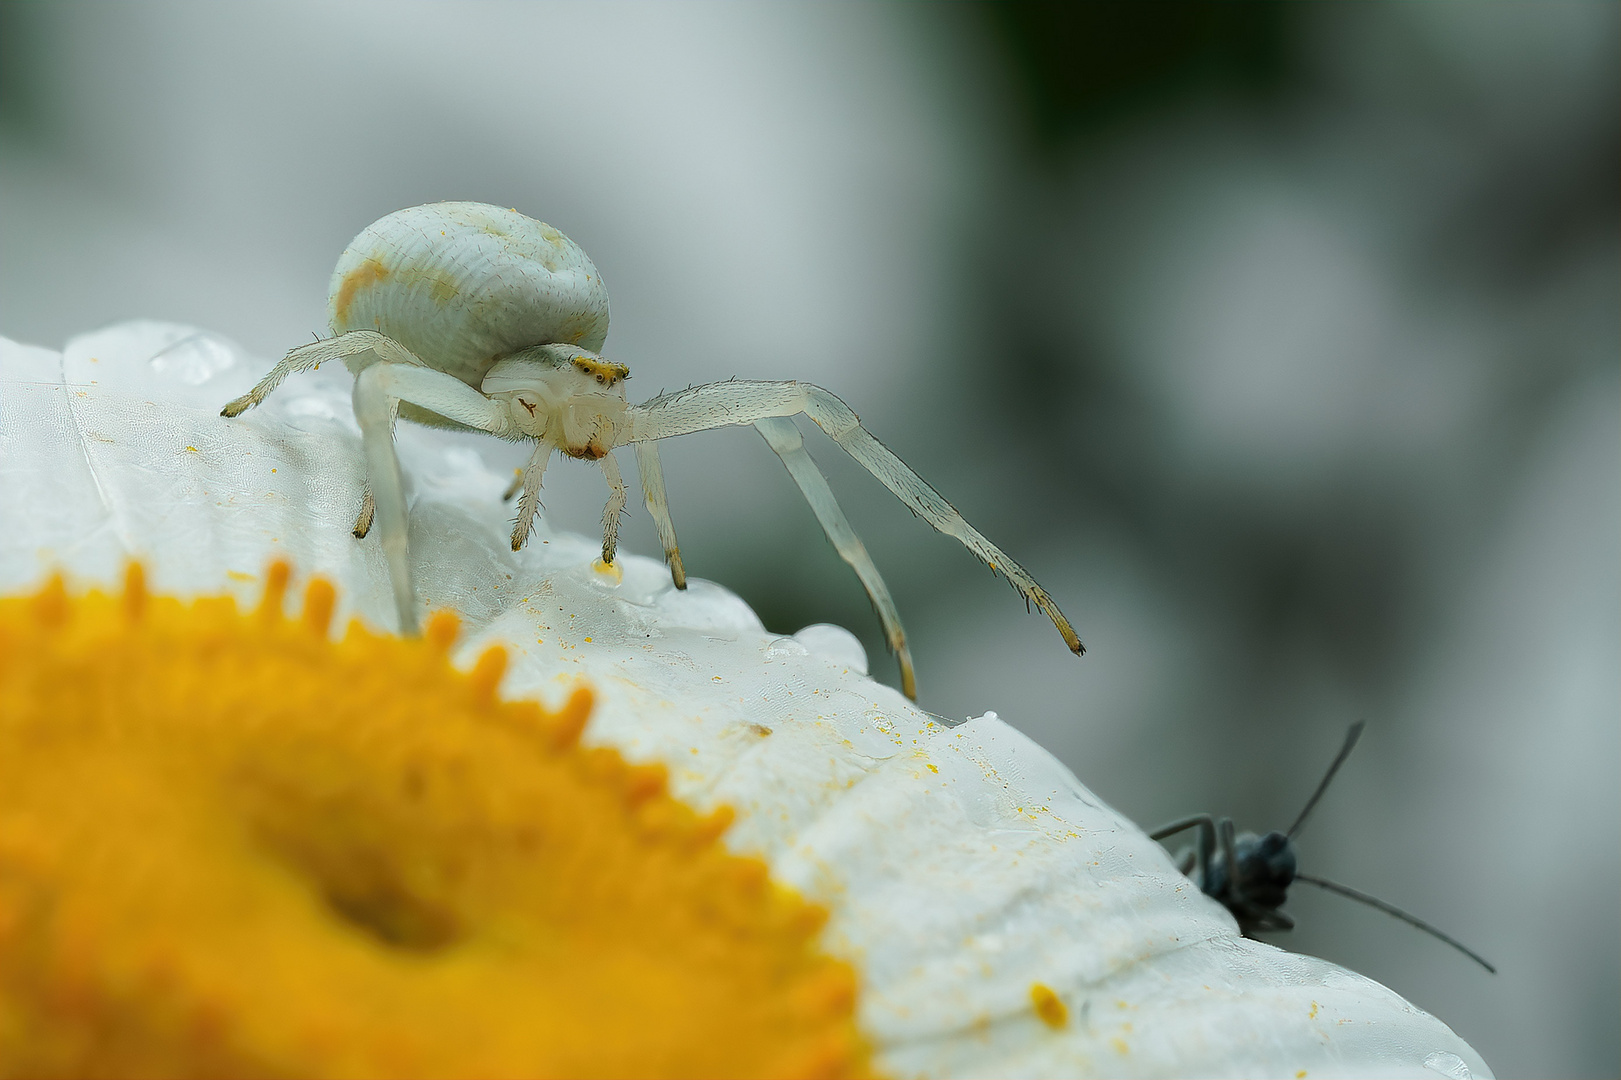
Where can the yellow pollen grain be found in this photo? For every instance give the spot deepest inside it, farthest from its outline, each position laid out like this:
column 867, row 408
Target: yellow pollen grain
column 1052, row 1010
column 230, row 845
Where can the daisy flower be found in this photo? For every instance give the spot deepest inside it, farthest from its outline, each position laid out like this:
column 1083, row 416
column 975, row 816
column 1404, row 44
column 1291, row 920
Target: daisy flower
column 589, row 824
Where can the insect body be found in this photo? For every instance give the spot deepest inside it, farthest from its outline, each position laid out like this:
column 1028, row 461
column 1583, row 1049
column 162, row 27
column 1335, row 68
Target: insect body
column 1250, row 875
column 466, row 315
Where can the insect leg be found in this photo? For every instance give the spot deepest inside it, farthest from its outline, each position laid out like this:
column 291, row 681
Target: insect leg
column 784, row 438
column 653, row 494
column 1203, row 852
column 1182, row 825
column 1229, row 852
column 1224, row 832
column 1204, row 845
column 614, row 507
column 530, row 502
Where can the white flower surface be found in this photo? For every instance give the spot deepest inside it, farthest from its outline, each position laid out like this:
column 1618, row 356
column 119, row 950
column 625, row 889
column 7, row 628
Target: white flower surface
column 961, row 862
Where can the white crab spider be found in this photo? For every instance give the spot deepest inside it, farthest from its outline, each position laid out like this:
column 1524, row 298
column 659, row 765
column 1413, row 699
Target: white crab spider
column 467, row 315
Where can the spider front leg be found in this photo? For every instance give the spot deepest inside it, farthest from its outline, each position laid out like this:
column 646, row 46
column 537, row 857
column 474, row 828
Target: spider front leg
column 529, row 478
column 713, row 405
column 784, row 439
column 379, row 389
column 311, row 356
column 307, row 358
column 614, row 507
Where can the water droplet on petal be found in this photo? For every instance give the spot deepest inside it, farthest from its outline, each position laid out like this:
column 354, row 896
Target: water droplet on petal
column 1448, row 1064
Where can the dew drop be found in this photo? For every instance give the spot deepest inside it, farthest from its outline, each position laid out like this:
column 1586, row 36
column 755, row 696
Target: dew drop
column 1448, row 1064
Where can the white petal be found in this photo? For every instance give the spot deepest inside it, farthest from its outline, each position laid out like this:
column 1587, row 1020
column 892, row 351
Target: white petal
column 961, row 863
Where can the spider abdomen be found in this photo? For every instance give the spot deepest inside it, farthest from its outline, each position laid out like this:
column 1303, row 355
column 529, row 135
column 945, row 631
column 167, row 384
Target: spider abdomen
column 462, row 284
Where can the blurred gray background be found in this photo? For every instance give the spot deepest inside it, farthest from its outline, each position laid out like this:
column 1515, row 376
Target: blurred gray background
column 1280, row 342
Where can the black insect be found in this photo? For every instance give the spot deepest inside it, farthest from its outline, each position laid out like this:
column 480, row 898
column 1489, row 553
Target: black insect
column 1250, row 875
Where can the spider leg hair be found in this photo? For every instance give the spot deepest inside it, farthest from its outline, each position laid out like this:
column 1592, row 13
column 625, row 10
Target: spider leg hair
column 784, row 438
column 615, row 506
column 368, row 513
column 378, row 390
column 308, row 357
column 528, row 479
column 658, row 505
column 722, row 404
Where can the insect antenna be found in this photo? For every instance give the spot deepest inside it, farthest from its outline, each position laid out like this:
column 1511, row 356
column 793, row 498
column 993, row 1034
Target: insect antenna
column 1392, row 909
column 1339, row 759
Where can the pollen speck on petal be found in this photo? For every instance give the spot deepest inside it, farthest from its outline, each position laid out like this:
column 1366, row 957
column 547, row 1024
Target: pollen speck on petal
column 1049, row 1006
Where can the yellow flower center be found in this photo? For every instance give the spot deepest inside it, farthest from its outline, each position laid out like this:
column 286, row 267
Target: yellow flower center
column 231, row 846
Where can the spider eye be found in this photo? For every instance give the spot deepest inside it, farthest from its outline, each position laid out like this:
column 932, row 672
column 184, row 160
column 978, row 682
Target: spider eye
column 600, row 379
